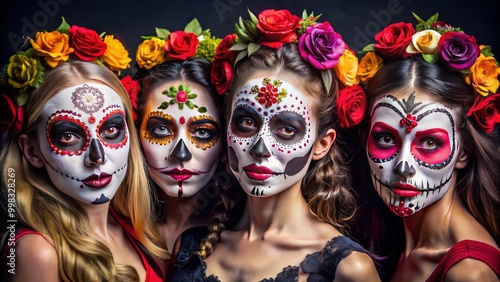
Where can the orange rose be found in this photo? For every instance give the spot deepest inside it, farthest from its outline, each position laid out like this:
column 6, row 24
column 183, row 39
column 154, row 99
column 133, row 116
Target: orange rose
column 484, row 75
column 369, row 65
column 53, row 46
column 116, row 56
column 347, row 68
column 150, row 53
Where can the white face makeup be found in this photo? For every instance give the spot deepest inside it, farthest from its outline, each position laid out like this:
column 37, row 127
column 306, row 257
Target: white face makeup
column 180, row 133
column 84, row 142
column 270, row 136
column 412, row 149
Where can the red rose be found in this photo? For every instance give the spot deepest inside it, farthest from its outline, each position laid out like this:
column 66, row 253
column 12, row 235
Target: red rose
column 393, row 40
column 181, row 45
column 222, row 51
column 351, row 106
column 11, row 116
column 486, row 111
column 132, row 88
column 221, row 75
column 87, row 43
column 277, row 27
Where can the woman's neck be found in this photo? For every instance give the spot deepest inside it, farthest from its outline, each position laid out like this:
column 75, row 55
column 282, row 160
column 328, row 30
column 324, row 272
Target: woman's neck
column 98, row 218
column 282, row 213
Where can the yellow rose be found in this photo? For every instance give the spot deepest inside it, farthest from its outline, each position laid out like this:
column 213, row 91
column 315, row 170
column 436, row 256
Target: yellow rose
column 425, row 42
column 150, row 53
column 22, row 71
column 116, row 56
column 369, row 65
column 53, row 46
column 347, row 68
column 484, row 75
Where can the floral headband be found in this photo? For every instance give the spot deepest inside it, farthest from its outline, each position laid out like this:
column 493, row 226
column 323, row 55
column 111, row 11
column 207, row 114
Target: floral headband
column 437, row 41
column 24, row 71
column 318, row 44
column 192, row 42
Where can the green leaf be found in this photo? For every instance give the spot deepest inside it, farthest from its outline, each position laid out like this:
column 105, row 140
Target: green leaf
column 202, row 110
column 430, row 58
column 22, row 98
column 486, row 51
column 194, row 26
column 163, row 106
column 102, row 34
column 368, row 48
column 418, row 18
column 238, row 47
column 164, row 92
column 252, row 48
column 171, row 94
column 188, row 89
column 172, row 89
column 253, row 18
column 145, row 37
column 432, row 19
column 172, row 101
column 181, row 106
column 162, row 33
column 190, row 105
column 327, row 77
column 192, row 96
column 181, row 87
column 304, row 14
column 241, row 55
column 242, row 35
column 30, row 53
column 63, row 28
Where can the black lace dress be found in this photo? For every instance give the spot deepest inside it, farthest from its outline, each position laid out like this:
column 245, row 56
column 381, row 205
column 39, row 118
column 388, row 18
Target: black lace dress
column 320, row 266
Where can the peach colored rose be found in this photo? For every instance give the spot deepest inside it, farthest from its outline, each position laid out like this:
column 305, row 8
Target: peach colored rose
column 484, row 75
column 425, row 42
column 369, row 65
column 116, row 56
column 347, row 68
column 150, row 53
column 52, row 46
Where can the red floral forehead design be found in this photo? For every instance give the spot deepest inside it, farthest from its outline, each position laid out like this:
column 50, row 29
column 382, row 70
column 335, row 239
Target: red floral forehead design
column 437, row 41
column 268, row 94
column 25, row 69
column 318, row 44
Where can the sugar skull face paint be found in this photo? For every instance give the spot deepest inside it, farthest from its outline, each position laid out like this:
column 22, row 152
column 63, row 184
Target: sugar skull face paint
column 412, row 149
column 270, row 136
column 84, row 142
column 180, row 132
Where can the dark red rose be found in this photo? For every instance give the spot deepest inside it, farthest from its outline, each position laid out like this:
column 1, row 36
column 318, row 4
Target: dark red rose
column 11, row 116
column 277, row 27
column 181, row 45
column 392, row 41
column 221, row 75
column 132, row 88
column 351, row 106
column 87, row 43
column 222, row 51
column 486, row 112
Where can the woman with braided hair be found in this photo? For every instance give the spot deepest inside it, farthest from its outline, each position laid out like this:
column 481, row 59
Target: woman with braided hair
column 283, row 150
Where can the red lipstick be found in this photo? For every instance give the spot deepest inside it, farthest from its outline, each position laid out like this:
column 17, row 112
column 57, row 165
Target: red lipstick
column 180, row 174
column 405, row 190
column 98, row 180
column 258, row 172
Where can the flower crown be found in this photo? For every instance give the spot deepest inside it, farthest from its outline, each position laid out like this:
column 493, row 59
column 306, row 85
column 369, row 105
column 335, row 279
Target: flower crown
column 439, row 42
column 318, row 44
column 192, row 42
column 25, row 69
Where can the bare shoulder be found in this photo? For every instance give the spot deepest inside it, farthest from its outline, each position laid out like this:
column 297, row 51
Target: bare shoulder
column 471, row 270
column 357, row 267
column 36, row 259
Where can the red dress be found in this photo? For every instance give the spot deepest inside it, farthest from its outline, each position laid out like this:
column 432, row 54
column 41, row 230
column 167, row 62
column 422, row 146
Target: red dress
column 467, row 249
column 153, row 272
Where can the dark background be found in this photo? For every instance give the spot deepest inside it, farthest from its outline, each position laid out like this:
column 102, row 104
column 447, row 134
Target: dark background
column 356, row 20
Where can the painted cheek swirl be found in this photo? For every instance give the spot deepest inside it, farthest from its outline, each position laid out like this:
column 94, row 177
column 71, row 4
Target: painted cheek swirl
column 383, row 143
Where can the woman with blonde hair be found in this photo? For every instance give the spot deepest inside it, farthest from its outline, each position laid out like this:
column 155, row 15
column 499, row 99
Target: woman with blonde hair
column 81, row 191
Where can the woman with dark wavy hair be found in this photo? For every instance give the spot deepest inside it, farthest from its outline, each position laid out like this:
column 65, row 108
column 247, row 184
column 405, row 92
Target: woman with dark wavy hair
column 433, row 152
